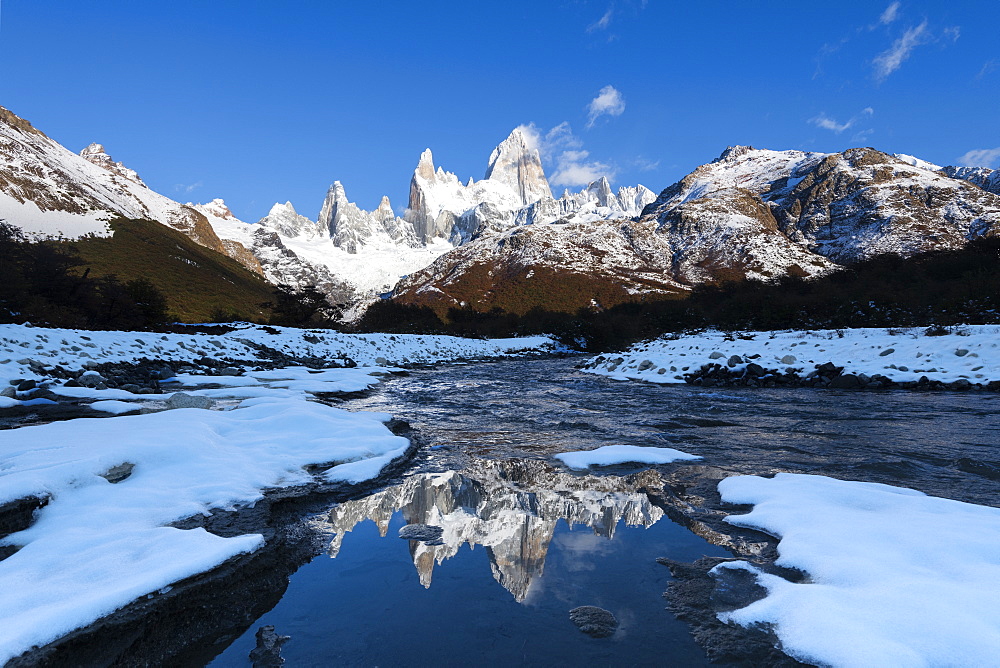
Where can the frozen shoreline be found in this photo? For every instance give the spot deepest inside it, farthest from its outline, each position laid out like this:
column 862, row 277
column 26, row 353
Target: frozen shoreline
column 111, row 491
column 969, row 354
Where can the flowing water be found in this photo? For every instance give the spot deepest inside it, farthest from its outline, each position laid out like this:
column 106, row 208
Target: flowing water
column 525, row 540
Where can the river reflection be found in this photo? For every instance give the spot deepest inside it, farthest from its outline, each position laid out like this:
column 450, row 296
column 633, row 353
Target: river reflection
column 510, row 507
column 522, row 544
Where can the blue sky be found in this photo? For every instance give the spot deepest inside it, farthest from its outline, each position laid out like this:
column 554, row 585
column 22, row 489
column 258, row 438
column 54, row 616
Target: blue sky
column 258, row 102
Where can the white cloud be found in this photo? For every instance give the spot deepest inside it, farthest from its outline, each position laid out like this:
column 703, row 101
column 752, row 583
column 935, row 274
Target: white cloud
column 984, row 157
column 573, row 169
column 560, row 148
column 988, row 67
column 892, row 58
column 180, row 187
column 953, row 32
column 645, row 165
column 827, row 123
column 890, row 14
column 603, row 22
column 608, row 102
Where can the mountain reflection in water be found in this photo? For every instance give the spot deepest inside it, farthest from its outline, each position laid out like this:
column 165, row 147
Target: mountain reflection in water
column 511, row 507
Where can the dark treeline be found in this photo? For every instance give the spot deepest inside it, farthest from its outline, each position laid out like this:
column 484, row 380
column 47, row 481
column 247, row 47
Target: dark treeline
column 40, row 283
column 936, row 288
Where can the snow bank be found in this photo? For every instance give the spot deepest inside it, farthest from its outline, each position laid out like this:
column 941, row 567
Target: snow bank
column 75, row 348
column 609, row 455
column 896, row 578
column 900, row 355
column 97, row 546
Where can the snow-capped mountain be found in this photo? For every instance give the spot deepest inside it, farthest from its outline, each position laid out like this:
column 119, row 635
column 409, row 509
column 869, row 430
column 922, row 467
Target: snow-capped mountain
column 748, row 214
column 506, row 240
column 368, row 252
column 984, row 177
column 46, row 189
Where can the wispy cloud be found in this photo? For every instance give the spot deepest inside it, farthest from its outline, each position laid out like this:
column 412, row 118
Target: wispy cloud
column 892, row 58
column 609, row 102
column 983, row 157
column 825, row 122
column 563, row 150
column 645, row 165
column 988, row 66
column 180, row 187
column 603, row 22
column 890, row 14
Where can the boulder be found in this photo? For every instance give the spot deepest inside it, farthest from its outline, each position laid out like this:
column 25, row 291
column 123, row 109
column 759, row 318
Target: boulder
column 184, row 400
column 90, row 379
column 734, row 360
column 646, row 364
column 788, row 359
column 595, row 622
column 848, row 381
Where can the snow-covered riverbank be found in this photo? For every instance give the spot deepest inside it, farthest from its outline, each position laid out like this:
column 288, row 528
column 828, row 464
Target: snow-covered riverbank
column 109, row 489
column 970, row 353
column 75, row 349
column 895, row 577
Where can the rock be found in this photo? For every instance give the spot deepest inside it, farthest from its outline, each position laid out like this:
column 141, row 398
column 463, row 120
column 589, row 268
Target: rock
column 848, row 381
column 146, row 390
column 716, row 355
column 130, row 387
column 72, row 382
column 26, row 385
column 887, row 351
column 10, row 391
column 734, row 360
column 90, row 379
column 116, row 474
column 422, row 532
column 961, row 352
column 754, row 369
column 381, row 361
column 961, row 384
column 826, row 367
column 229, row 371
column 663, row 371
column 646, row 364
column 184, row 400
column 788, row 359
column 101, row 386
column 595, row 622
column 267, row 653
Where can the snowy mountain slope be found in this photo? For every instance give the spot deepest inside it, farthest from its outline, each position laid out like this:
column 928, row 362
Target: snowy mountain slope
column 844, row 206
column 365, row 253
column 984, row 177
column 48, row 190
column 750, row 213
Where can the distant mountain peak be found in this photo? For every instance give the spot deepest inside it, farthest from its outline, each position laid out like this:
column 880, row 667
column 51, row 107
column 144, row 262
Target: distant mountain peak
column 514, row 163
column 96, row 154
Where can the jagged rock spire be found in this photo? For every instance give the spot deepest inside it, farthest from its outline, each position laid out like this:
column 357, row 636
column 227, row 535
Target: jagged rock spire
column 519, row 166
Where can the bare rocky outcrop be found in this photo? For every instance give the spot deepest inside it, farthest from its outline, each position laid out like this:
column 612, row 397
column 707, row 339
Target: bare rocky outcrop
column 95, row 154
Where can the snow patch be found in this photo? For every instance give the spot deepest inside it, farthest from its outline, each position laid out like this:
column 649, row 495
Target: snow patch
column 896, row 578
column 622, row 454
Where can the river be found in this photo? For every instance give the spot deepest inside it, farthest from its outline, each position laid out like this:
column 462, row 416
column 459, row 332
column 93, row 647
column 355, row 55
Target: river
column 525, row 540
